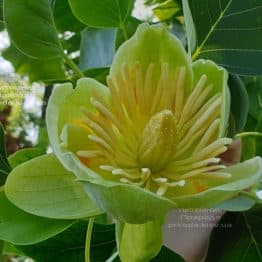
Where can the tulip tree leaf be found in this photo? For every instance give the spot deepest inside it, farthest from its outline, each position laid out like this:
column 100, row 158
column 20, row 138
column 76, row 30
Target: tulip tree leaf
column 35, row 69
column 31, row 27
column 166, row 254
column 97, row 48
column 70, row 244
column 2, row 26
column 24, row 155
column 102, row 13
column 43, row 187
column 254, row 89
column 239, row 102
column 21, row 228
column 4, row 165
column 64, row 18
column 239, row 236
column 228, row 32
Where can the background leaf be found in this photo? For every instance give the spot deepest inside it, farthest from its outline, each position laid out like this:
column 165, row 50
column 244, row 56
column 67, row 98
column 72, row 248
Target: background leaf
column 35, row 69
column 24, row 155
column 21, row 228
column 4, row 165
column 31, row 27
column 43, row 187
column 97, row 48
column 238, row 236
column 239, row 102
column 64, row 18
column 228, row 32
column 70, row 245
column 167, row 255
column 102, row 13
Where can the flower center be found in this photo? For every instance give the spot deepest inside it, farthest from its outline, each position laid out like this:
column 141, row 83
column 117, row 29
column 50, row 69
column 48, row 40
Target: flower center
column 152, row 133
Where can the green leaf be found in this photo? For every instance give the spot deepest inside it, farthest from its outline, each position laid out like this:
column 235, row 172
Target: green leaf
column 166, row 10
column 102, row 13
column 166, row 255
column 226, row 31
column 64, row 18
column 97, row 48
column 2, row 26
column 70, row 245
column 238, row 238
column 239, row 102
column 24, row 155
column 31, row 27
column 35, row 69
column 131, row 26
column 43, row 187
column 4, row 165
column 254, row 89
column 21, row 228
column 10, row 249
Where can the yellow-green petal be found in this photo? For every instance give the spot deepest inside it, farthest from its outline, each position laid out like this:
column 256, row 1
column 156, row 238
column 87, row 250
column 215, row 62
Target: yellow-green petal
column 217, row 77
column 153, row 44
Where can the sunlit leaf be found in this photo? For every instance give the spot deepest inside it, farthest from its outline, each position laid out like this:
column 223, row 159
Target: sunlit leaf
column 31, row 27
column 102, row 13
column 43, row 187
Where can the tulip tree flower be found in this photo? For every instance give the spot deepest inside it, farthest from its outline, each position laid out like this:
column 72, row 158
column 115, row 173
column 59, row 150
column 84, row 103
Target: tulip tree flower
column 151, row 139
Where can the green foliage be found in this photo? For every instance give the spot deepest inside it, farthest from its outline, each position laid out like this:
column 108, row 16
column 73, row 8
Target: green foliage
column 97, row 48
column 103, row 13
column 64, row 18
column 166, row 254
column 1, row 16
column 21, row 228
column 69, row 246
column 227, row 32
column 239, row 102
column 43, row 187
column 38, row 38
column 238, row 237
column 35, row 69
column 24, row 155
column 4, row 165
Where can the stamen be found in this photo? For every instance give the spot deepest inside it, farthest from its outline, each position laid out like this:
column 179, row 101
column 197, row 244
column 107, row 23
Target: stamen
column 180, row 93
column 215, row 175
column 107, row 168
column 212, row 112
column 210, row 133
column 201, row 170
column 158, row 94
column 139, row 84
column 121, row 172
column 104, row 111
column 187, row 110
column 148, row 90
column 89, row 153
column 174, row 167
column 99, row 131
column 101, row 142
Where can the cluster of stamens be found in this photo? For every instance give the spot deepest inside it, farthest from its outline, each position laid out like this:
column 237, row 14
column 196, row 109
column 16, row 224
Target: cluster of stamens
column 136, row 97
